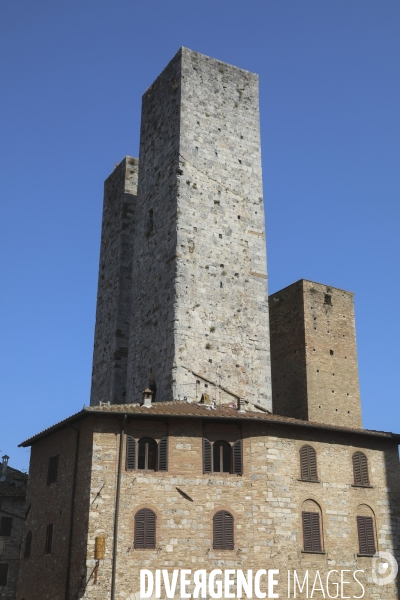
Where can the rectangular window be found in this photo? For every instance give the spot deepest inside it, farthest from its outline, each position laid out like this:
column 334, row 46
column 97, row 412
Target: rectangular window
column 366, row 539
column 52, row 470
column 3, row 573
column 49, row 539
column 311, row 532
column 5, row 526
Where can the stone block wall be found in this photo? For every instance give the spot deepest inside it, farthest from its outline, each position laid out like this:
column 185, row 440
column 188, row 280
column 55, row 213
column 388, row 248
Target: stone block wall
column 200, row 304
column 266, row 503
column 114, row 295
column 314, row 354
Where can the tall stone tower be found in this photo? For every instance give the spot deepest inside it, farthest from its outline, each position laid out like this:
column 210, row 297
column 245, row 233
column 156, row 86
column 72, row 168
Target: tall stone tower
column 198, row 303
column 314, row 354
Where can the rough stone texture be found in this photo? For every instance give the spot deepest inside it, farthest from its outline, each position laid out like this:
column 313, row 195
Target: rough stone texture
column 314, row 355
column 200, row 304
column 114, row 295
column 266, row 502
column 12, row 504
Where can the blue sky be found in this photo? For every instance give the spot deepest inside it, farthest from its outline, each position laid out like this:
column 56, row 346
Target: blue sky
column 72, row 77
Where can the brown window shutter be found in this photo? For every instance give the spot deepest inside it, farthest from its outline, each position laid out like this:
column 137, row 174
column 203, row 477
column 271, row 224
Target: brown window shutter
column 360, row 467
column 207, row 456
column 145, row 529
column 237, row 458
column 308, row 463
column 5, row 526
column 49, row 539
column 130, row 453
column 3, row 573
column 163, row 454
column 311, row 532
column 366, row 538
column 223, row 531
column 28, row 544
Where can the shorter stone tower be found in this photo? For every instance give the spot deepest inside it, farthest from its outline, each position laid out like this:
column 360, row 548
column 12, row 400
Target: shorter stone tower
column 313, row 354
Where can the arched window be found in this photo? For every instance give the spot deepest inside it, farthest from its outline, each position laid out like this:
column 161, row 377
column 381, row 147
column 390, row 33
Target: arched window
column 145, row 529
column 312, row 531
column 222, row 457
column 308, row 463
column 360, row 469
column 366, row 530
column 223, row 531
column 28, row 544
column 146, row 454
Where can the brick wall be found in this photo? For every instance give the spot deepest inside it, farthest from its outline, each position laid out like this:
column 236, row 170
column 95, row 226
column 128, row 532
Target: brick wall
column 314, row 355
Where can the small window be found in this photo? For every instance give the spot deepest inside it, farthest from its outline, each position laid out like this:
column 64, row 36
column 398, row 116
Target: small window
column 5, row 526
column 145, row 529
column 28, row 544
column 308, row 463
column 147, row 456
column 311, row 532
column 221, row 457
column 3, row 573
column 328, row 299
column 366, row 538
column 360, row 469
column 52, row 470
column 49, row 539
column 223, row 531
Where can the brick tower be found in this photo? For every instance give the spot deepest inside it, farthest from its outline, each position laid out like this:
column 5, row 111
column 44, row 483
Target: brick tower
column 314, row 355
column 197, row 305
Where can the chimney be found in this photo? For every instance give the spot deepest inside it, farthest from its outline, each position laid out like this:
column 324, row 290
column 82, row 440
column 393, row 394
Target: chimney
column 5, row 463
column 147, row 397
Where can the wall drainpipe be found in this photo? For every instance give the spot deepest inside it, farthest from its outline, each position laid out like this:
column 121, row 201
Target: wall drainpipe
column 72, row 511
column 115, row 540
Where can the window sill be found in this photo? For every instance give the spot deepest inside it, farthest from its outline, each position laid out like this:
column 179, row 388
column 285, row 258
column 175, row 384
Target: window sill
column 366, row 555
column 310, row 480
column 312, row 552
column 370, row 487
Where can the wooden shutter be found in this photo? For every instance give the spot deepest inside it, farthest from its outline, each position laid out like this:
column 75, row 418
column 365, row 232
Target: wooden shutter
column 163, row 454
column 28, row 544
column 360, row 467
column 145, row 529
column 49, row 539
column 207, row 456
column 308, row 463
column 130, row 453
column 3, row 573
column 5, row 526
column 311, row 532
column 237, row 458
column 365, row 526
column 223, row 531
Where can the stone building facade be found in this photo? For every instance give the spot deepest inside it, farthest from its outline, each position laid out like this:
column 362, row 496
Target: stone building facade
column 187, row 458
column 12, row 514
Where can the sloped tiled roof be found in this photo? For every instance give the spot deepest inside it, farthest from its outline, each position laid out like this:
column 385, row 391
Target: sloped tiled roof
column 192, row 410
column 11, row 490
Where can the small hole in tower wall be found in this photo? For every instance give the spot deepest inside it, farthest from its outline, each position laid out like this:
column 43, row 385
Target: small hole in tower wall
column 328, row 299
column 331, row 352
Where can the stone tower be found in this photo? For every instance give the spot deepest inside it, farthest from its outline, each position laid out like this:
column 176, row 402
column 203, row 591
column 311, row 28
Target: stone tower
column 314, row 355
column 198, row 304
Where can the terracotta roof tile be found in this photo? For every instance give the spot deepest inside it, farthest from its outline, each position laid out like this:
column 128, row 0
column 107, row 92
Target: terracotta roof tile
column 186, row 409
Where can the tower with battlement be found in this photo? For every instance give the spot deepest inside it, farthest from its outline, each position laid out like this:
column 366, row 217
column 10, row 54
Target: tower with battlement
column 191, row 317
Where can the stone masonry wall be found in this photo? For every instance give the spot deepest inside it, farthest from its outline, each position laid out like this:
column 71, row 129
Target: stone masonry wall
column 314, row 355
column 266, row 502
column 200, row 300
column 114, row 295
